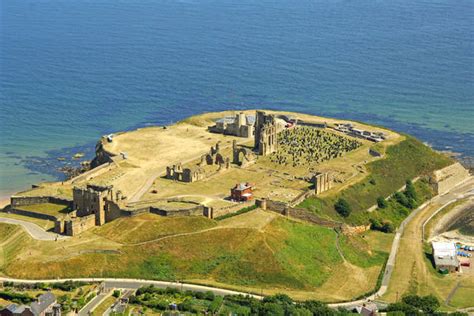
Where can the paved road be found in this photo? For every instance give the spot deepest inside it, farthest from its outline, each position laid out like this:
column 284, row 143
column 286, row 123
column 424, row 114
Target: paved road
column 34, row 230
column 92, row 304
column 136, row 283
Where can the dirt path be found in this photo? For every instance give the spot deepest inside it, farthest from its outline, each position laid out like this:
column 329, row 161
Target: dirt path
column 451, row 294
column 338, row 247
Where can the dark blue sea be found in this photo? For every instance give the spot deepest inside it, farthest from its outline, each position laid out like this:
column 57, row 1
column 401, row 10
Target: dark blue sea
column 73, row 70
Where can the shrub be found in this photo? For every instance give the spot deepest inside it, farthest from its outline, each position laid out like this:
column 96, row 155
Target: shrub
column 116, row 293
column 342, row 207
column 381, row 202
column 18, row 298
column 388, row 227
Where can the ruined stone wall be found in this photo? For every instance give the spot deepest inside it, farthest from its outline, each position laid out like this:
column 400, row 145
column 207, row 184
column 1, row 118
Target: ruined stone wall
column 113, row 211
column 301, row 197
column 78, row 225
column 445, row 179
column 305, row 215
column 195, row 211
column 29, row 200
column 322, row 183
column 230, row 209
column 277, row 206
column 32, row 214
column 351, row 230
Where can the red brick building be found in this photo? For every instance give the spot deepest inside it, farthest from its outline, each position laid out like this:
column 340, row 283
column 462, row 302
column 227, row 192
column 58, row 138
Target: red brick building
column 241, row 192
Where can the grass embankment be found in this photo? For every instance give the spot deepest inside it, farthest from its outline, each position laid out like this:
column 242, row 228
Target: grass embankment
column 148, row 227
column 13, row 240
column 276, row 255
column 406, row 160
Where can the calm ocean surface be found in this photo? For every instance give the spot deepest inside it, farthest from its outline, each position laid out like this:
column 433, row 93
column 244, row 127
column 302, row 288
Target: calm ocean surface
column 73, row 70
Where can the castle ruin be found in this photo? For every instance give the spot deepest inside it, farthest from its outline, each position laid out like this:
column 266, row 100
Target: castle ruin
column 198, row 172
column 240, row 125
column 93, row 205
column 266, row 141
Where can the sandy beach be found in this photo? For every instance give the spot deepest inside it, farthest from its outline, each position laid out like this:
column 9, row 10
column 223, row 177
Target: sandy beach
column 4, row 201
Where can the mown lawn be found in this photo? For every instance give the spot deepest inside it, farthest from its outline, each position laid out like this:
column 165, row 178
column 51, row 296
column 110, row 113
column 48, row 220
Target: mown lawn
column 403, row 161
column 46, row 208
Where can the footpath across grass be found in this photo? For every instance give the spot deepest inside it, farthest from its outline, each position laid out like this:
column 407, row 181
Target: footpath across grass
column 406, row 160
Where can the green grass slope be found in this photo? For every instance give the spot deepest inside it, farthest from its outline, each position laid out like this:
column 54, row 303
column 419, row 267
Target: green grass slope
column 282, row 255
column 406, row 160
column 146, row 227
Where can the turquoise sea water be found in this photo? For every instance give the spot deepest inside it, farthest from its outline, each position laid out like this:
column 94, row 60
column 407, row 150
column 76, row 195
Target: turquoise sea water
column 73, row 70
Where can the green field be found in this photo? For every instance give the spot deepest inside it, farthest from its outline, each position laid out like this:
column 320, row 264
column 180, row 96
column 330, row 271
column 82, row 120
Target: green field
column 46, row 208
column 406, row 160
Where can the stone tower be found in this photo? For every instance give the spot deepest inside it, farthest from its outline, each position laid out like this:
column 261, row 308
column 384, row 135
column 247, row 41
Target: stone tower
column 266, row 141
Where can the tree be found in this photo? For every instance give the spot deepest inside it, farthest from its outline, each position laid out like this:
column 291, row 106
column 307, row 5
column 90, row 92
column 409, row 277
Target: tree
column 381, row 202
column 410, row 191
column 405, row 308
column 272, row 309
column 116, row 293
column 342, row 207
column 428, row 304
column 318, row 308
column 402, row 199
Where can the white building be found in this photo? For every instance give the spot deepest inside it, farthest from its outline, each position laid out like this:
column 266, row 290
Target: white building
column 444, row 254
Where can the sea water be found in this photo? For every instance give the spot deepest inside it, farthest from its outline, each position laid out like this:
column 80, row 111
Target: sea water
column 73, row 70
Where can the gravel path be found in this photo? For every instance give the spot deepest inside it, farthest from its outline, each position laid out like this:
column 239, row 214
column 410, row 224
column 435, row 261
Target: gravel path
column 34, row 230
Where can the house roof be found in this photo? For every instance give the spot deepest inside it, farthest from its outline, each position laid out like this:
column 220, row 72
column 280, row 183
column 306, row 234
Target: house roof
column 44, row 301
column 16, row 309
column 444, row 249
column 242, row 186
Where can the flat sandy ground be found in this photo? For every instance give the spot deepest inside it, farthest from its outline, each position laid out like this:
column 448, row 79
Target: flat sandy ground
column 150, row 150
